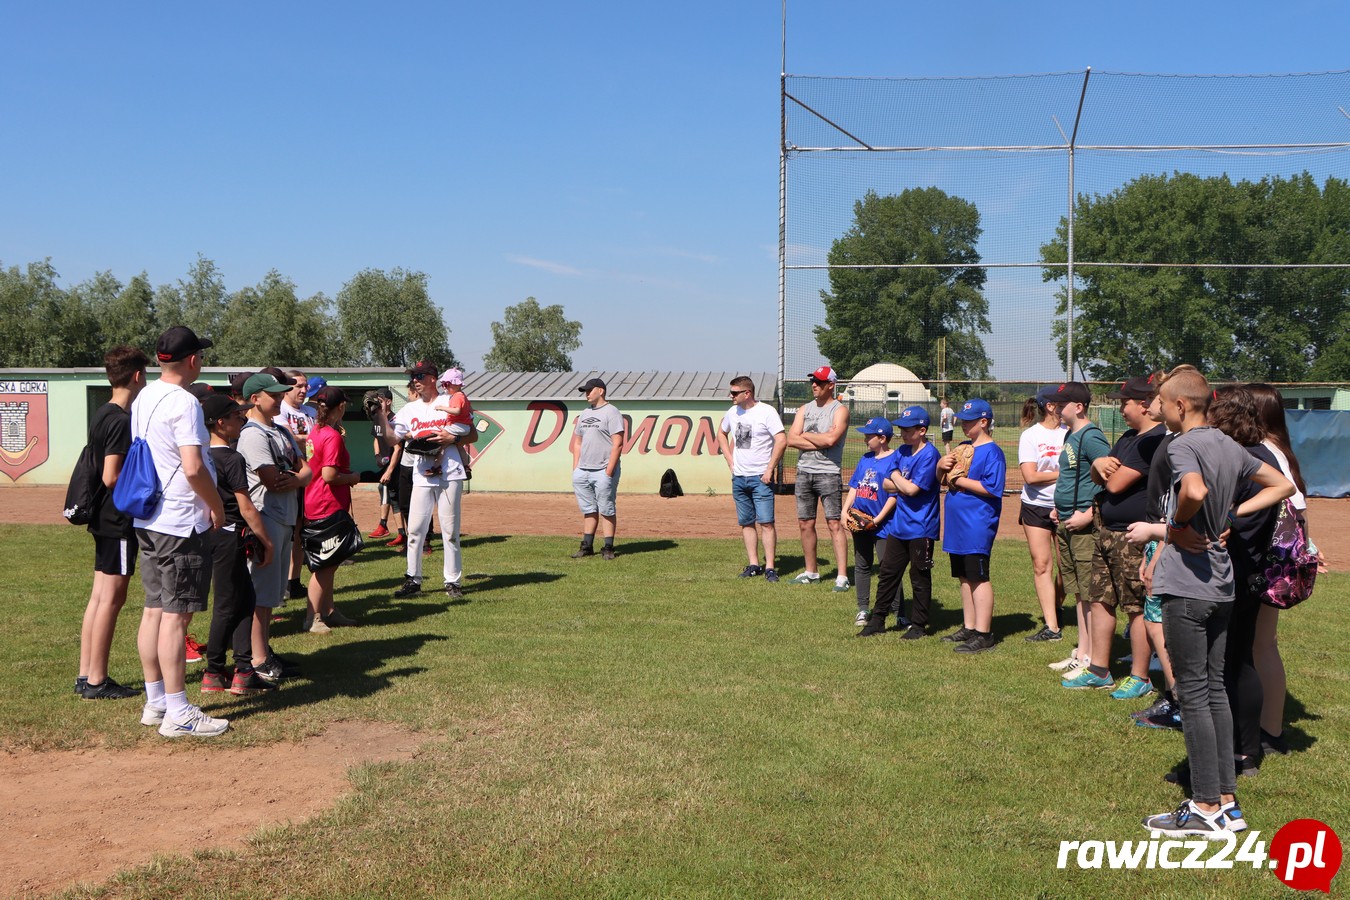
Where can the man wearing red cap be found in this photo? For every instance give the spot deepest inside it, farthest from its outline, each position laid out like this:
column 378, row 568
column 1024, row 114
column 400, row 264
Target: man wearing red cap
column 818, row 432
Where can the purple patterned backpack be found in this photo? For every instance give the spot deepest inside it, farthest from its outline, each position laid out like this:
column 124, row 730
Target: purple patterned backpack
column 1290, row 565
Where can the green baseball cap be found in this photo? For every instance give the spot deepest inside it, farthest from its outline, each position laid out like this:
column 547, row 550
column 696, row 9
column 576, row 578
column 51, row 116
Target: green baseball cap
column 264, row 382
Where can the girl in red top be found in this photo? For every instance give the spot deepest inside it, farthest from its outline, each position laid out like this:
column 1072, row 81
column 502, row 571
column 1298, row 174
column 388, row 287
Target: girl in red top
column 329, row 493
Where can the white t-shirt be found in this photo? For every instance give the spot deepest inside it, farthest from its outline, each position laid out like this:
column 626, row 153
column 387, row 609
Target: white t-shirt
column 1041, row 445
column 1300, row 501
column 428, row 471
column 168, row 417
column 300, row 422
column 947, row 419
column 751, row 431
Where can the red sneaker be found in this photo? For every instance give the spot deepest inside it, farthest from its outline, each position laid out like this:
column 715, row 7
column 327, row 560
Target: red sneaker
column 214, row 682
column 397, row 542
column 379, row 532
column 426, row 549
column 194, row 650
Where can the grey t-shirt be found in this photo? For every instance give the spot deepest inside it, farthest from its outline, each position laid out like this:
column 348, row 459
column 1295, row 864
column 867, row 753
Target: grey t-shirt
column 270, row 446
column 596, row 426
column 1223, row 464
column 818, row 419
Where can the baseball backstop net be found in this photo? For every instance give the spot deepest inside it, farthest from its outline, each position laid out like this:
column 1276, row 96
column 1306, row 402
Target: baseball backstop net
column 1011, row 230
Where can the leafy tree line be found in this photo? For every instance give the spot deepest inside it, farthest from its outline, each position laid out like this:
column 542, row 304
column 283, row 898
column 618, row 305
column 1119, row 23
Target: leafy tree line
column 1246, row 324
column 377, row 319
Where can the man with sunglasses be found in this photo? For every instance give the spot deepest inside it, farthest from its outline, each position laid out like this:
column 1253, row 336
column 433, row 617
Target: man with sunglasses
column 752, row 442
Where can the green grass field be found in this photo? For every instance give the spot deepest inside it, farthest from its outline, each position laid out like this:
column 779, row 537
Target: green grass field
column 655, row 727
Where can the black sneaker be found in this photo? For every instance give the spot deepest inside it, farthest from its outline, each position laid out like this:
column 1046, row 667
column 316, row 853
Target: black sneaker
column 1046, row 634
column 584, row 552
column 875, row 625
column 977, row 644
column 1170, row 720
column 296, row 590
column 961, row 635
column 607, row 553
column 288, row 668
column 454, row 591
column 108, row 690
column 411, row 587
column 913, row 633
column 1274, row 743
column 771, row 576
column 269, row 671
column 1161, row 706
column 81, row 681
column 751, row 572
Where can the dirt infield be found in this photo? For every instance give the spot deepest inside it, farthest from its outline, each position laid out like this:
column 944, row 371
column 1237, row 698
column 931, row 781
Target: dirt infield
column 645, row 515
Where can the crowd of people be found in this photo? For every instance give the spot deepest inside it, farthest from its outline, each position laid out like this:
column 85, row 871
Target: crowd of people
column 1170, row 525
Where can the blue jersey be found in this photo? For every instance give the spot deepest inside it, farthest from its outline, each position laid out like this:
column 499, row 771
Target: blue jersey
column 916, row 517
column 868, row 477
column 972, row 521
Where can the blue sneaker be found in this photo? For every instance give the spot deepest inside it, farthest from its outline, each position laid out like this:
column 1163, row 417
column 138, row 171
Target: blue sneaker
column 751, row 572
column 1132, row 688
column 1188, row 820
column 1234, row 821
column 771, row 576
column 1084, row 680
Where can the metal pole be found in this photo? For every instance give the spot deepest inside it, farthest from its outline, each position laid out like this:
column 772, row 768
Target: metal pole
column 782, row 216
column 1068, row 344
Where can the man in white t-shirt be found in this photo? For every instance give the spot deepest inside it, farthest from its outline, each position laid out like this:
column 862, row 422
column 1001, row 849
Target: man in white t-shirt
column 175, row 561
column 752, row 441
column 947, row 425
column 438, row 476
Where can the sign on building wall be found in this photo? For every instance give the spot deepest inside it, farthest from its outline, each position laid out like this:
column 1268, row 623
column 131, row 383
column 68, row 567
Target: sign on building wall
column 24, row 442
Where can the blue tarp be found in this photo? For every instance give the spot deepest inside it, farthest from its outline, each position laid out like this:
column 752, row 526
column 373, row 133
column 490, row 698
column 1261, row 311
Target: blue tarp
column 1321, row 440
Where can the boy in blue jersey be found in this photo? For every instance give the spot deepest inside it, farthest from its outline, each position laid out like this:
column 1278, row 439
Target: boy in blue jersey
column 911, row 530
column 974, row 503
column 867, row 494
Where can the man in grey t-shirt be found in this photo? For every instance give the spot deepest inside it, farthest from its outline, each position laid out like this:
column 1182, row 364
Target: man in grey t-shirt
column 596, row 444
column 818, row 431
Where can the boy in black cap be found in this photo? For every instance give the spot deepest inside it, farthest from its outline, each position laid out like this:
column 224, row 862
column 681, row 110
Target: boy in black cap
column 232, row 614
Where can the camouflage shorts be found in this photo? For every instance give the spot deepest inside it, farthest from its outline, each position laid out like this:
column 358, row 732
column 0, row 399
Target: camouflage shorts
column 1115, row 572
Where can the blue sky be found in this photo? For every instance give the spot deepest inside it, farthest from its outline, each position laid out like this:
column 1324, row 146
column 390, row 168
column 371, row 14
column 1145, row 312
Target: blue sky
column 619, row 159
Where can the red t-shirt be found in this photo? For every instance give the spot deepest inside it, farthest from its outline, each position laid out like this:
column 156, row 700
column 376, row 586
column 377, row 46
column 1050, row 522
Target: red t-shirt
column 323, row 499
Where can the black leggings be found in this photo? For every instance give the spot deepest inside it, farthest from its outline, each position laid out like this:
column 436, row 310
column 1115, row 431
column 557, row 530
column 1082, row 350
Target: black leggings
column 232, row 611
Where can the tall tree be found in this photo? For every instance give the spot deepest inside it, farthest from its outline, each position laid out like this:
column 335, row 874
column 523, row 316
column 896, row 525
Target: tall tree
column 130, row 316
column 268, row 325
column 197, row 301
column 35, row 313
column 533, row 338
column 1233, row 323
column 896, row 315
column 388, row 319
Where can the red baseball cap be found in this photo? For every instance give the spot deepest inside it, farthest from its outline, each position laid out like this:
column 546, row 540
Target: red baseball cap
column 825, row 374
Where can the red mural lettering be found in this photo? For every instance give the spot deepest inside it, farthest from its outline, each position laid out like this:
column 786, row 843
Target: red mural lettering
column 643, row 434
column 705, row 439
column 539, row 407
column 682, row 424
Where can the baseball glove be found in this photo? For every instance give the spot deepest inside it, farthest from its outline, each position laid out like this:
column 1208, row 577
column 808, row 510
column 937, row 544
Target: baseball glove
column 859, row 521
column 963, row 453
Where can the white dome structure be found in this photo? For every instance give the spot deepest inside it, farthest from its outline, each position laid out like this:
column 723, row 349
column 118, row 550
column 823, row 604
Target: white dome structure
column 888, row 383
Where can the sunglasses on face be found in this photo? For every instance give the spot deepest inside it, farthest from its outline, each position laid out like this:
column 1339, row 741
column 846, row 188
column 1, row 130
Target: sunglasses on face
column 737, row 393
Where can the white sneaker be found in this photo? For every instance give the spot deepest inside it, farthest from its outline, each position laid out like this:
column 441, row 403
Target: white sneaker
column 317, row 626
column 1066, row 665
column 196, row 723
column 861, row 618
column 806, row 578
column 152, row 715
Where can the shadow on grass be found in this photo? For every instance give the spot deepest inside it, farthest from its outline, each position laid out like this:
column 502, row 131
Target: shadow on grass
column 628, row 548
column 480, row 539
column 514, row 579
column 339, row 670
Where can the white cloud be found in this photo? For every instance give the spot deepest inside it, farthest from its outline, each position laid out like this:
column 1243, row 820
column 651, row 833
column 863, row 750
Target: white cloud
column 548, row 266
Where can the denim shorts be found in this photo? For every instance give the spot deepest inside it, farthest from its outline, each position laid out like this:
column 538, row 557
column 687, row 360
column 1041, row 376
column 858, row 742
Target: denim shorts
column 754, row 500
column 595, row 490
column 823, row 487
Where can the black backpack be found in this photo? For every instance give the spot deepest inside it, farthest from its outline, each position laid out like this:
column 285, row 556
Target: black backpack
column 670, row 485
column 85, row 483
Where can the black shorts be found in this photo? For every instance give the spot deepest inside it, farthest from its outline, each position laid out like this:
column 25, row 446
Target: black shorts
column 947, row 436
column 1035, row 516
column 114, row 556
column 973, row 567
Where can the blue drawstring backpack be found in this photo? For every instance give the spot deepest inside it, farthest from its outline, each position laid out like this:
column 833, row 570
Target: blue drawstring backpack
column 138, row 491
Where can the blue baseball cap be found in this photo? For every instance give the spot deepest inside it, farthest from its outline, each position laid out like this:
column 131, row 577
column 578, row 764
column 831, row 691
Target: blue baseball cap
column 975, row 408
column 913, row 417
column 318, row 381
column 878, row 426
